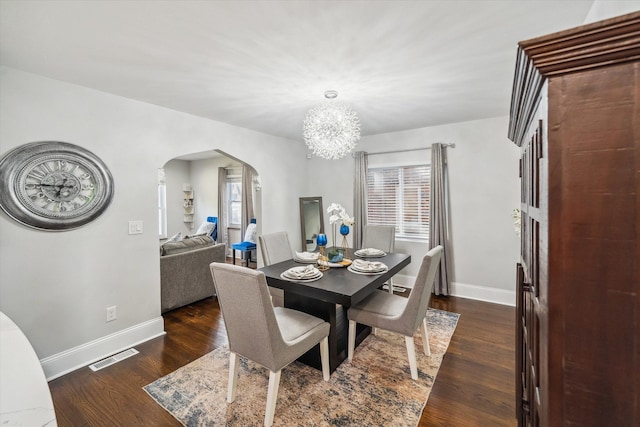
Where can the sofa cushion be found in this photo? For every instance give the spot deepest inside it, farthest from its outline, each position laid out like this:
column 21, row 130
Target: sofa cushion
column 185, row 245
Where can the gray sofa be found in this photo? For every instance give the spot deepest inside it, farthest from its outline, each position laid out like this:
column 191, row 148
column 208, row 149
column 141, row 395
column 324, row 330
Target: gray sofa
column 184, row 270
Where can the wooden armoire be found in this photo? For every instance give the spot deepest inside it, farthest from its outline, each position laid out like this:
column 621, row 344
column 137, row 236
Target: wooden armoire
column 575, row 113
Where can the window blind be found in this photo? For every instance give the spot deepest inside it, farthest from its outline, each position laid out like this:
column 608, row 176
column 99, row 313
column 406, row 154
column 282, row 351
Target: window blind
column 399, row 196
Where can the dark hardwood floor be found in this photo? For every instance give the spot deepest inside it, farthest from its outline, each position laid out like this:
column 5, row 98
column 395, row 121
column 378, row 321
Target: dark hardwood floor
column 474, row 387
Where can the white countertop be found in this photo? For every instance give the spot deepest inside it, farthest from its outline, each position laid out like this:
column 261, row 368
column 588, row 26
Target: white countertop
column 25, row 399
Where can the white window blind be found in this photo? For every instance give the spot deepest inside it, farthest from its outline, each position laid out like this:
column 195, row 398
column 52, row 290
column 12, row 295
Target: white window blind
column 400, row 196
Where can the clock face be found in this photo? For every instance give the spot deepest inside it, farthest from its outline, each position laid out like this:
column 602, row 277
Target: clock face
column 54, row 185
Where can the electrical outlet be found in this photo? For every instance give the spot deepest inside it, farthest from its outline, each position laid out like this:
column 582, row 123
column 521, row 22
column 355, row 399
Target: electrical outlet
column 111, row 313
column 135, row 227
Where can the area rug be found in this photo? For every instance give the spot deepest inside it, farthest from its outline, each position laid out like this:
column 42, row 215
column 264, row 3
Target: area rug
column 375, row 389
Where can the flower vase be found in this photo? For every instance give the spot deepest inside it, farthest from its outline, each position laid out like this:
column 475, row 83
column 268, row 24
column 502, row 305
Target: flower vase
column 344, row 230
column 321, row 241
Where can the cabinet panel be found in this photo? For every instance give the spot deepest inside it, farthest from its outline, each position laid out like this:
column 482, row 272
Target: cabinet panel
column 576, row 116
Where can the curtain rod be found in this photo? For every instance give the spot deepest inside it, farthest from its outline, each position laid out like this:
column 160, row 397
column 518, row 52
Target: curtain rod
column 451, row 144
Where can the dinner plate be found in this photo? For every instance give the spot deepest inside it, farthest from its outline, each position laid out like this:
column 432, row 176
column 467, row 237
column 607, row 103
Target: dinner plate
column 310, row 279
column 366, row 273
column 305, row 260
column 361, row 254
column 316, row 273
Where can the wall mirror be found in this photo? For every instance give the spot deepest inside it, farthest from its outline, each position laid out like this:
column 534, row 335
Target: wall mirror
column 311, row 221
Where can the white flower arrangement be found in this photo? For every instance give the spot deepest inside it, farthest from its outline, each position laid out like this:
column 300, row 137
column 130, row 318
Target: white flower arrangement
column 339, row 215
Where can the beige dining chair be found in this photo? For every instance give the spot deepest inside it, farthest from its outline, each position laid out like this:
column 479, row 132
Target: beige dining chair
column 381, row 237
column 275, row 248
column 398, row 314
column 270, row 336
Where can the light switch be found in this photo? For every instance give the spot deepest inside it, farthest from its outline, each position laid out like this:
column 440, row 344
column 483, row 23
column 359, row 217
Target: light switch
column 135, row 227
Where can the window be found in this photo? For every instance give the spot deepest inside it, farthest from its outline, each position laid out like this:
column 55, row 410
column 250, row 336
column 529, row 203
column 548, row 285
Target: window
column 162, row 204
column 400, row 196
column 234, row 192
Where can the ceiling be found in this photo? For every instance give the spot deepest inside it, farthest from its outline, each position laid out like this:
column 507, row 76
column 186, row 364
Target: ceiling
column 263, row 64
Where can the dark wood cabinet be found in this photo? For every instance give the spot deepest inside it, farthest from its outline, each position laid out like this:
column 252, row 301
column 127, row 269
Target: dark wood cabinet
column 575, row 113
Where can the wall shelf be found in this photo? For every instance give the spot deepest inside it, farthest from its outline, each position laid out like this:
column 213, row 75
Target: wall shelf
column 189, row 209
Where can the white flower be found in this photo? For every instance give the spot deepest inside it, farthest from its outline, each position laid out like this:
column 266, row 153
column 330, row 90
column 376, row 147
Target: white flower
column 339, row 215
column 346, row 219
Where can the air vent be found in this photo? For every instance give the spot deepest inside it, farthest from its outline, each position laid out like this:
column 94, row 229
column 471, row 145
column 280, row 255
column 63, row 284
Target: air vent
column 113, row 359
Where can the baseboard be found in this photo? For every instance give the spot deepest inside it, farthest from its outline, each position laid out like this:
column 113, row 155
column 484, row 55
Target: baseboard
column 465, row 290
column 69, row 360
column 483, row 293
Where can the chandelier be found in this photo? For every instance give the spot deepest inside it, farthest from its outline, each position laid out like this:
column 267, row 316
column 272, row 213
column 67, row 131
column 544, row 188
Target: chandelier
column 331, row 129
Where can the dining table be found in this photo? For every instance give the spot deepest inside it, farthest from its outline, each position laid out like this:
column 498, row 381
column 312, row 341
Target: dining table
column 330, row 297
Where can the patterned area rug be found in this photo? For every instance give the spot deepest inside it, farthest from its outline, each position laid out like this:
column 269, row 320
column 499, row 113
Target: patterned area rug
column 375, row 389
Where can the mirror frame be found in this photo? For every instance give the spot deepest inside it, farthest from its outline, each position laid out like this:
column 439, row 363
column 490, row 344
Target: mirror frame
column 303, row 239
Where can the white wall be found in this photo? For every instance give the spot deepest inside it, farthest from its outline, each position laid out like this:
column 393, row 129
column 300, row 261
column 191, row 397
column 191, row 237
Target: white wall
column 56, row 286
column 485, row 188
column 177, row 173
column 605, row 9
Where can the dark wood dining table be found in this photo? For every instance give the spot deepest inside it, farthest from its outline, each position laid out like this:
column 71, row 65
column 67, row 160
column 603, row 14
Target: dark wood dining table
column 329, row 298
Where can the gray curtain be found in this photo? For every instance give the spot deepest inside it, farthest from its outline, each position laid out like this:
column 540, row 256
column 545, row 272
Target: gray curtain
column 360, row 197
column 223, row 233
column 439, row 217
column 247, row 198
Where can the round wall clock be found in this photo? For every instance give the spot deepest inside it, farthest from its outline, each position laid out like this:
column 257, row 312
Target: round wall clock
column 53, row 185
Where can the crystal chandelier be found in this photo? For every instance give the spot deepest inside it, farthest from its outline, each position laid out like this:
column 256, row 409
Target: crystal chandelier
column 331, row 129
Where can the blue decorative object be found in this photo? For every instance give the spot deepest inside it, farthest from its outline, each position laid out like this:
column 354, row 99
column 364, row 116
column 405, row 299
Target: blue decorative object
column 337, row 257
column 344, row 229
column 321, row 240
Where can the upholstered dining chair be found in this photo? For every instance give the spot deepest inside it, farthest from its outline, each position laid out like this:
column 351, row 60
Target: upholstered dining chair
column 275, row 248
column 398, row 314
column 381, row 237
column 271, row 337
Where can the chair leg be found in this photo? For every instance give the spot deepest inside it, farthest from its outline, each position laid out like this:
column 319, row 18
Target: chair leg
column 324, row 358
column 411, row 352
column 233, row 257
column 272, row 396
column 352, row 340
column 425, row 338
column 233, row 377
column 390, row 284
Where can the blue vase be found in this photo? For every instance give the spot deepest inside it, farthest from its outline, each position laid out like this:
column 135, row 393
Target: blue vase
column 321, row 240
column 344, row 229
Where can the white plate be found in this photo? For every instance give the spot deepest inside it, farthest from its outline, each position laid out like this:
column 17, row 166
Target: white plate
column 366, row 273
column 360, row 254
column 291, row 279
column 306, row 259
column 315, row 273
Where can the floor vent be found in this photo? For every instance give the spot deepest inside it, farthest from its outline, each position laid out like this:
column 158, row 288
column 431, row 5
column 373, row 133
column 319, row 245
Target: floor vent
column 396, row 288
column 113, row 359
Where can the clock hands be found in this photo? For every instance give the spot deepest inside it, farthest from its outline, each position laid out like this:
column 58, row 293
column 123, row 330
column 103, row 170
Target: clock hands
column 58, row 188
